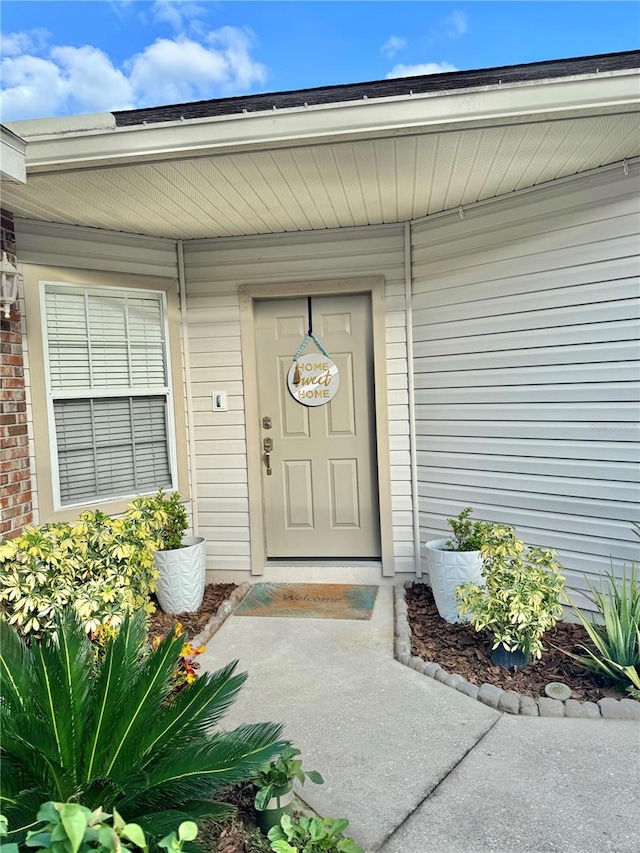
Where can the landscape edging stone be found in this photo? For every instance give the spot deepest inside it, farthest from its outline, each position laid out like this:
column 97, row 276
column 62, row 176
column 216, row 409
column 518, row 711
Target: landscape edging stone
column 508, row 701
column 223, row 612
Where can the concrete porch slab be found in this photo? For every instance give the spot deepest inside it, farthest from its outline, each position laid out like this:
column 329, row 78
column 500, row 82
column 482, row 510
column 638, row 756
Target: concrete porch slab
column 382, row 735
column 535, row 785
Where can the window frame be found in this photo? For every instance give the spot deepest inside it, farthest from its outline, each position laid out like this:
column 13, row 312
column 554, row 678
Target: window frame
column 35, row 363
column 97, row 393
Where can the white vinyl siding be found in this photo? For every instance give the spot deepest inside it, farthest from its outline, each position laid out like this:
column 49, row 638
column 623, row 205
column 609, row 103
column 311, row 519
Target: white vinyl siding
column 77, row 247
column 526, row 360
column 527, row 369
column 109, row 389
column 214, row 271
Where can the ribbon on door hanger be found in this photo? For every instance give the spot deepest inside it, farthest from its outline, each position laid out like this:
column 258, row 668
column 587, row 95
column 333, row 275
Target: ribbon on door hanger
column 312, row 381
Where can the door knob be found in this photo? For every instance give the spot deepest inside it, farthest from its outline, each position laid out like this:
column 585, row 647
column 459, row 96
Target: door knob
column 267, row 446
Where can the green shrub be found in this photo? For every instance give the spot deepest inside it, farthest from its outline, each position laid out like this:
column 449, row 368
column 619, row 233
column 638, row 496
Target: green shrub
column 73, row 828
column 4, row 831
column 467, row 535
column 521, row 600
column 311, row 835
column 616, row 643
column 110, row 734
column 99, row 565
column 165, row 514
column 279, row 774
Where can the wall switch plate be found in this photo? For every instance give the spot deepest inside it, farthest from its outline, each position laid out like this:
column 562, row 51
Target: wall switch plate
column 219, row 399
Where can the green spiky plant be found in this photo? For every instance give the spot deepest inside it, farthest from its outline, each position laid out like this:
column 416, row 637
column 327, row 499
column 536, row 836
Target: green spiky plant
column 110, row 734
column 615, row 650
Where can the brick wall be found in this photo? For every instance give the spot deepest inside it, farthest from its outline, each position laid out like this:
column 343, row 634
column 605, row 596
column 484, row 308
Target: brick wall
column 15, row 474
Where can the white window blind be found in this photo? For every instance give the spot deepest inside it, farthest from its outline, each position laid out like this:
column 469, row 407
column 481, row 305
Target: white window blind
column 110, row 392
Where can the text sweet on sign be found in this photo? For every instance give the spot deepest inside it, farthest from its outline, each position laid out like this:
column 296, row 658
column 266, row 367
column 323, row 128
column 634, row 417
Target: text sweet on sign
column 313, row 380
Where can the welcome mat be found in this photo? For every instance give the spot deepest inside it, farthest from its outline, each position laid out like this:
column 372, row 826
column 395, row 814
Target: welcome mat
column 309, row 601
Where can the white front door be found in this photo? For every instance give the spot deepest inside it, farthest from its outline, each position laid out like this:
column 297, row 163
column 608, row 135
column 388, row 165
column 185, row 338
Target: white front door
column 321, row 497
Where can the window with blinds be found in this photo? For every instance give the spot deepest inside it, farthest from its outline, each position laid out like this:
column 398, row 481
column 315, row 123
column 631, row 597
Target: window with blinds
column 110, row 394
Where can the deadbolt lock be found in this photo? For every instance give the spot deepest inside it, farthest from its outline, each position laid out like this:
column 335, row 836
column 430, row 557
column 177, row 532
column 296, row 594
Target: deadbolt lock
column 266, row 423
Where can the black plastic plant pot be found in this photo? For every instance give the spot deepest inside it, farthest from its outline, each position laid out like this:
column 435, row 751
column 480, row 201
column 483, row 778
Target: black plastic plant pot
column 509, row 660
column 281, row 803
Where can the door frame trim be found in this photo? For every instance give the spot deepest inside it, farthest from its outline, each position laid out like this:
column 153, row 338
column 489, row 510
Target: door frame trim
column 248, row 294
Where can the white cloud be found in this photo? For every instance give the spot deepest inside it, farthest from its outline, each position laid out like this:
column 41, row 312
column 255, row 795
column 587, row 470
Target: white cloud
column 456, row 24
column 182, row 70
column 80, row 79
column 453, row 26
column 31, row 87
column 423, row 68
column 393, row 45
column 66, row 80
column 91, row 80
column 235, row 45
column 179, row 14
column 120, row 8
column 14, row 44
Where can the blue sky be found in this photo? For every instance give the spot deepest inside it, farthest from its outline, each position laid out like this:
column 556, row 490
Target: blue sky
column 60, row 58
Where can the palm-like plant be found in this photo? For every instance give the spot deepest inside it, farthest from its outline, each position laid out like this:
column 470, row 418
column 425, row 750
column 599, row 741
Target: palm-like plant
column 616, row 642
column 112, row 734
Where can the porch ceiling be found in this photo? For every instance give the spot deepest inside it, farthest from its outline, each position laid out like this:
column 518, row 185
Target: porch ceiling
column 327, row 185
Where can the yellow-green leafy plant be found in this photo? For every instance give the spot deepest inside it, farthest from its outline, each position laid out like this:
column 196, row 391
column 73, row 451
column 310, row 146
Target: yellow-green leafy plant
column 521, row 600
column 100, row 566
column 166, row 514
column 467, row 535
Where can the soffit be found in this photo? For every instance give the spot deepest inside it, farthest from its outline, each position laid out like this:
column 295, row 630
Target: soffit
column 391, row 179
column 12, row 149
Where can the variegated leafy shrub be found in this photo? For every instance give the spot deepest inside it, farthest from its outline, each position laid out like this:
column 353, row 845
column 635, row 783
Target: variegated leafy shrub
column 100, row 566
column 522, row 597
column 165, row 513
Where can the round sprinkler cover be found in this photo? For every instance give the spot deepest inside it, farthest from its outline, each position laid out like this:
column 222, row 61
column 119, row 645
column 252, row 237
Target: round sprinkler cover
column 557, row 690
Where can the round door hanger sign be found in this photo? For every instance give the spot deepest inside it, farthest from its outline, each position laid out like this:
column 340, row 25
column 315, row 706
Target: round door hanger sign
column 313, row 380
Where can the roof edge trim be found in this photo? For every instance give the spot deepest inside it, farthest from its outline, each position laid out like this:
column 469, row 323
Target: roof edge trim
column 555, row 100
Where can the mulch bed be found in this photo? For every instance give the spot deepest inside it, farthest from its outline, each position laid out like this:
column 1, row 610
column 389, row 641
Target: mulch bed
column 193, row 623
column 460, row 649
column 240, row 834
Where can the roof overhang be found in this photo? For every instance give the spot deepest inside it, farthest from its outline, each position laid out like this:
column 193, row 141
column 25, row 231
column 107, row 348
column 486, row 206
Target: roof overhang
column 12, row 156
column 541, row 100
column 326, row 165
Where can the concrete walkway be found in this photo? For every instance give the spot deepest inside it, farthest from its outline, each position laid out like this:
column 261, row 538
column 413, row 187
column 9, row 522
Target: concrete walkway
column 416, row 766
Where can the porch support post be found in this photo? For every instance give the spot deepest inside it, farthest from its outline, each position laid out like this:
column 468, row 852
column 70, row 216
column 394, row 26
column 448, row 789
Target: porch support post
column 182, row 291
column 413, row 451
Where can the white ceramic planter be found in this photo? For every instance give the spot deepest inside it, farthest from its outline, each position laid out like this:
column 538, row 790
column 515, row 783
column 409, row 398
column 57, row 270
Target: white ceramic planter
column 447, row 570
column 182, row 576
